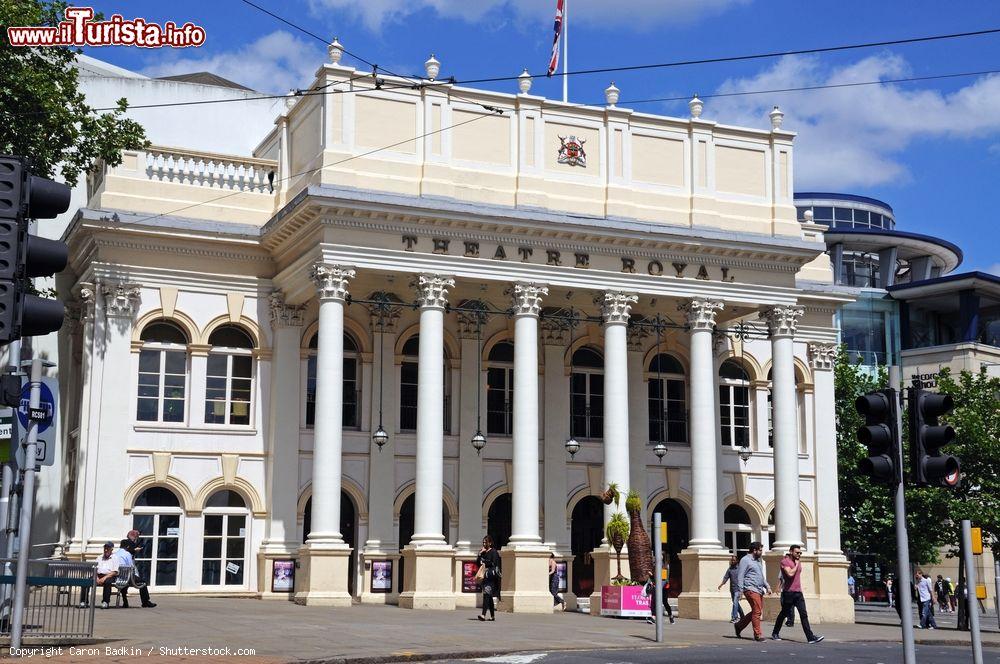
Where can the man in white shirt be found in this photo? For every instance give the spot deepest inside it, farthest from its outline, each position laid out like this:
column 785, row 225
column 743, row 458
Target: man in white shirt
column 125, row 558
column 925, row 594
column 105, row 574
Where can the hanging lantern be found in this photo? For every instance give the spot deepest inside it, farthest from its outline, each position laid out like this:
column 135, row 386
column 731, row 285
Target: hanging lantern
column 660, row 450
column 572, row 446
column 479, row 441
column 745, row 453
column 380, row 437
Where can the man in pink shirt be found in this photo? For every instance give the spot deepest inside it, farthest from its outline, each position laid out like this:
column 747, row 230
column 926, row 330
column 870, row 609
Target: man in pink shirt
column 791, row 595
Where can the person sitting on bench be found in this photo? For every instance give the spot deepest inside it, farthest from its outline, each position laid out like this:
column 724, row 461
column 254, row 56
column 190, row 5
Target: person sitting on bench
column 125, row 559
column 106, row 572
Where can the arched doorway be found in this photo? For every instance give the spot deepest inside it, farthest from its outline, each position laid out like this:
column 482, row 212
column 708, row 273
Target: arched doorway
column 498, row 520
column 407, row 524
column 157, row 516
column 225, row 534
column 672, row 513
column 586, row 533
column 348, row 528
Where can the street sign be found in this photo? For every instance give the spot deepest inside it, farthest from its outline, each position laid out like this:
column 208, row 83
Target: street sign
column 663, row 532
column 45, row 413
column 6, row 432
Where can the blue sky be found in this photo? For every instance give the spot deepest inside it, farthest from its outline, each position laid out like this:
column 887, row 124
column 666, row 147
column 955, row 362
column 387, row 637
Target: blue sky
column 930, row 149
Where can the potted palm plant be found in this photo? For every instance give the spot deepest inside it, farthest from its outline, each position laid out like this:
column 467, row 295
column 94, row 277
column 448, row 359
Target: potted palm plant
column 617, row 532
column 611, row 494
column 640, row 557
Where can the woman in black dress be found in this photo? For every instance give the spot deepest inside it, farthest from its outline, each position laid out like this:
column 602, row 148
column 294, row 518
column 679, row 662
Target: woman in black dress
column 490, row 559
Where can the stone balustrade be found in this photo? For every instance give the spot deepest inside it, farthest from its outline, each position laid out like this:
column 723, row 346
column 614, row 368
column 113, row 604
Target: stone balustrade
column 206, row 169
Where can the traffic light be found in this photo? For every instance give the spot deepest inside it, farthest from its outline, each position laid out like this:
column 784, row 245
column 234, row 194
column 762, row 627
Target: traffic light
column 879, row 433
column 24, row 196
column 927, row 437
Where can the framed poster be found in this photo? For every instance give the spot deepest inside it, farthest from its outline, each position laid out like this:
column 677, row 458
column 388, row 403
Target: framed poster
column 561, row 577
column 381, row 576
column 283, row 576
column 469, row 583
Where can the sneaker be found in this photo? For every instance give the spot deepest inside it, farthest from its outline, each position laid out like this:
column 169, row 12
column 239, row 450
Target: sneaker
column 759, row 638
column 83, row 605
column 650, row 621
column 104, row 605
column 482, row 618
column 775, row 637
column 672, row 620
column 816, row 639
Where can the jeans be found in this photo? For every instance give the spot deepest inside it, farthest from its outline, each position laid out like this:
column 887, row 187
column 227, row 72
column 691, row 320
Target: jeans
column 790, row 601
column 756, row 609
column 927, row 614
column 663, row 598
column 737, row 612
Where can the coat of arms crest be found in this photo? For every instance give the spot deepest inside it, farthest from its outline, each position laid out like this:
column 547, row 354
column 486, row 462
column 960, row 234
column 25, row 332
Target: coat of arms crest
column 571, row 151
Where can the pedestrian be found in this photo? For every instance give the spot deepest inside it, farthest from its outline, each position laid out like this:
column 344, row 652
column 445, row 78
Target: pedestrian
column 952, row 600
column 941, row 592
column 752, row 582
column 489, row 562
column 649, row 589
column 851, row 585
column 888, row 592
column 129, row 548
column 554, row 582
column 734, row 592
column 791, row 595
column 926, row 597
column 104, row 576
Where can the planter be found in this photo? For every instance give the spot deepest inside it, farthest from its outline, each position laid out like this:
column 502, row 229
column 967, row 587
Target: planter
column 624, row 602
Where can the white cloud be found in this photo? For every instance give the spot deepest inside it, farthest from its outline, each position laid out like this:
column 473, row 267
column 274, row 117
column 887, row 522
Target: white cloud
column 273, row 63
column 641, row 14
column 855, row 136
column 994, row 269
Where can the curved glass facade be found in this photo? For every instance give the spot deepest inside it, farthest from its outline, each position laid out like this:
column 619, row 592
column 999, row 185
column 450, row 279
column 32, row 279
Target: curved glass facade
column 844, row 211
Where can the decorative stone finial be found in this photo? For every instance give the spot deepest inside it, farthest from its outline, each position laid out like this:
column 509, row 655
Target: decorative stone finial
column 807, row 216
column 524, row 82
column 290, row 99
column 696, row 105
column 611, row 94
column 777, row 117
column 433, row 67
column 336, row 51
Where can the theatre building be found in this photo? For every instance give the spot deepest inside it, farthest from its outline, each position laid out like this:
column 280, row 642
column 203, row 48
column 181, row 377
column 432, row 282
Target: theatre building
column 417, row 316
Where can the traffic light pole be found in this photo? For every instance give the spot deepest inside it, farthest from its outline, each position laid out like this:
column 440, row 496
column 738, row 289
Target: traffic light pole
column 970, row 592
column 657, row 597
column 903, row 595
column 28, row 492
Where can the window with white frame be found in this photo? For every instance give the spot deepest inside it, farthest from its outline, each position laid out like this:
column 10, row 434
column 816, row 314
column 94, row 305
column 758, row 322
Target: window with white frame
column 587, row 394
column 500, row 390
column 667, row 400
column 163, row 362
column 408, row 387
column 224, row 540
column 157, row 516
column 738, row 530
column 352, row 383
column 229, row 377
column 734, row 404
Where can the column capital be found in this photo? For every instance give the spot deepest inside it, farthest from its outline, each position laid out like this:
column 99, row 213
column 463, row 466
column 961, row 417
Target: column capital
column 701, row 313
column 86, row 294
column 616, row 306
column 120, row 299
column 822, row 356
column 527, row 298
column 331, row 280
column 782, row 320
column 282, row 314
column 432, row 290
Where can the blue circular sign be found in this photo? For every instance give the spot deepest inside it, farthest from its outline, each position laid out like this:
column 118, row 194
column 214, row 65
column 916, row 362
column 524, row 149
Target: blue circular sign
column 46, row 402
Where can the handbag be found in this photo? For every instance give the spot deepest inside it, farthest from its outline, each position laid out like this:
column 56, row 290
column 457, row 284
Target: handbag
column 480, row 574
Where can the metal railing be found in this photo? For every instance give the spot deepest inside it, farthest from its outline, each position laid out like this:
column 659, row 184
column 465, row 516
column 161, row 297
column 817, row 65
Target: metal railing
column 51, row 609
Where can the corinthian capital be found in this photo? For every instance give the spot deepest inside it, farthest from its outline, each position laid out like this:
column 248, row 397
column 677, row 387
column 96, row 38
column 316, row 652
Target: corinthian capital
column 432, row 290
column 822, row 356
column 701, row 313
column 331, row 280
column 284, row 315
column 528, row 299
column 781, row 321
column 120, row 300
column 615, row 306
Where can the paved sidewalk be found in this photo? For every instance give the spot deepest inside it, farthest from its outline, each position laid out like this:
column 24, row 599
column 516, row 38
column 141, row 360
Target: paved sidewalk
column 283, row 632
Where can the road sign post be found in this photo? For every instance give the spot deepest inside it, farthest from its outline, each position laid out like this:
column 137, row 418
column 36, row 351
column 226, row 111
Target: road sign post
column 970, row 596
column 657, row 595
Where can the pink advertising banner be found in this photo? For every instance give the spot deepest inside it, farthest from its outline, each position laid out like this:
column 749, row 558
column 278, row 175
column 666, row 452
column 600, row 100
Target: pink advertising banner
column 624, row 602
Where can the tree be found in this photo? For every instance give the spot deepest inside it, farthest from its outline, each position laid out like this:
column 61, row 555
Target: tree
column 43, row 114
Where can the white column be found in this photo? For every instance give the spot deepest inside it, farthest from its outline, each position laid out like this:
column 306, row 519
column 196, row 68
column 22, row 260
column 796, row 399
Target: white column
column 615, row 307
column 704, row 451
column 432, row 292
column 821, row 358
column 87, row 295
column 524, row 522
column 781, row 325
column 331, row 286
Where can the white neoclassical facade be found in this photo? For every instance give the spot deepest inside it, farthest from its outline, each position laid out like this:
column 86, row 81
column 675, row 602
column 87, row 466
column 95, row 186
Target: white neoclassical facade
column 280, row 362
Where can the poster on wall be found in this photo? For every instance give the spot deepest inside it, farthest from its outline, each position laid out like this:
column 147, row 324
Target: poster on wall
column 561, row 569
column 283, row 576
column 469, row 584
column 381, row 576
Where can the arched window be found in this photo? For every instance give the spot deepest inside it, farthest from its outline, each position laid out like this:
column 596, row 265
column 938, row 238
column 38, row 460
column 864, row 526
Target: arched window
column 163, row 363
column 223, row 554
column 738, row 530
column 799, row 410
column 734, row 404
column 408, row 387
column 587, row 394
column 500, row 389
column 229, row 380
column 667, row 400
column 157, row 516
column 352, row 383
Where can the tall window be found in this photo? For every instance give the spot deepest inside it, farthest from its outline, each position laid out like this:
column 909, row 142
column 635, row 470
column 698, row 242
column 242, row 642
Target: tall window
column 738, row 530
column 799, row 408
column 157, row 517
column 667, row 401
column 734, row 404
column 162, row 373
column 229, row 382
column 223, row 553
column 408, row 387
column 587, row 394
column 352, row 388
column 500, row 389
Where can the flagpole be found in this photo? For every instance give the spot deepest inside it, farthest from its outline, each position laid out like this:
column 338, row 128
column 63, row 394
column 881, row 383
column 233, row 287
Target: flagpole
column 565, row 38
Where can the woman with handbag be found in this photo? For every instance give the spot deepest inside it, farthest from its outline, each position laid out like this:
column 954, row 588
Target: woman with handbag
column 488, row 576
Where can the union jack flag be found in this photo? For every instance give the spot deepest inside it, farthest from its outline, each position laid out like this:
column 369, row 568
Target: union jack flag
column 554, row 60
